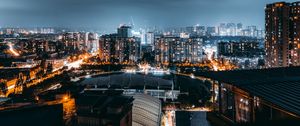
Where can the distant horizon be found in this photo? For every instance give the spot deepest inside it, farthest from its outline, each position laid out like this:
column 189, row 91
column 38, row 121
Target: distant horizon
column 115, row 29
column 108, row 14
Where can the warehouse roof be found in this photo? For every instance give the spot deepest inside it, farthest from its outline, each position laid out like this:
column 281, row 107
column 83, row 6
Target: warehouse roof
column 279, row 86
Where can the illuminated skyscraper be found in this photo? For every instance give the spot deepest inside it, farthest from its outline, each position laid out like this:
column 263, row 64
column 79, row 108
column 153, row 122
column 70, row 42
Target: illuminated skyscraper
column 71, row 40
column 170, row 49
column 193, row 49
column 119, row 49
column 161, row 48
column 282, row 43
column 295, row 33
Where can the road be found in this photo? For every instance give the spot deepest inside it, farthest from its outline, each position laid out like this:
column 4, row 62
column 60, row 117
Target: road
column 12, row 88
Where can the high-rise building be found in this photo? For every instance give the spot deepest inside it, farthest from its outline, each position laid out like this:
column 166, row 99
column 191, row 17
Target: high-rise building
column 239, row 49
column 71, row 40
column 143, row 37
column 149, row 38
column 46, row 31
column 190, row 29
column 107, row 48
column 222, row 29
column 252, row 31
column 260, row 33
column 177, row 49
column 282, row 44
column 93, row 42
column 239, row 28
column 200, row 30
column 231, row 29
column 119, row 49
column 193, row 49
column 84, row 40
column 211, row 31
column 124, row 31
column 295, row 33
column 170, row 49
column 161, row 48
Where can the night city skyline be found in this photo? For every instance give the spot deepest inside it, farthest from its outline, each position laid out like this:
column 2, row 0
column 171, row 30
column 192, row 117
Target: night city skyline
column 109, row 14
column 149, row 63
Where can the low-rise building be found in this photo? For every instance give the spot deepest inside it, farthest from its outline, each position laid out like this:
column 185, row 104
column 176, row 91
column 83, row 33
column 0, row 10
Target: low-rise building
column 96, row 108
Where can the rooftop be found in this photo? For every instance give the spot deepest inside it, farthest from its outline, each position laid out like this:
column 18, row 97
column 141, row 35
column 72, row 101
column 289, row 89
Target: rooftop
column 279, row 86
column 136, row 81
column 102, row 104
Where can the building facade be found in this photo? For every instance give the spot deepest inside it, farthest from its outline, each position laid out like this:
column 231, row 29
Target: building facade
column 103, row 109
column 282, row 38
column 124, row 31
column 117, row 49
column 242, row 97
column 170, row 49
column 239, row 49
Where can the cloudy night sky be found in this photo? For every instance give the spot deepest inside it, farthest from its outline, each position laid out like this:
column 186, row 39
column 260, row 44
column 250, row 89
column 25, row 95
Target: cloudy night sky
column 111, row 13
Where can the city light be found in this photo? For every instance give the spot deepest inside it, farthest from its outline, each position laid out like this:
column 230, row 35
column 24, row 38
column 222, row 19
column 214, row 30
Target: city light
column 130, row 71
column 12, row 50
column 192, row 76
column 66, row 98
column 210, row 51
column 168, row 69
column 88, row 75
column 75, row 64
column 54, row 87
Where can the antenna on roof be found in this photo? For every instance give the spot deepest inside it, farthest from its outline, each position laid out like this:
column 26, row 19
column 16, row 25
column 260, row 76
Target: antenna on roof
column 132, row 23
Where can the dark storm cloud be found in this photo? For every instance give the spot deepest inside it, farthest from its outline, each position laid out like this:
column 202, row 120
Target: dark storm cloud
column 110, row 13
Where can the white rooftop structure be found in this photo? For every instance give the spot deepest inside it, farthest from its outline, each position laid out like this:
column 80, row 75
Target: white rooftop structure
column 146, row 110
